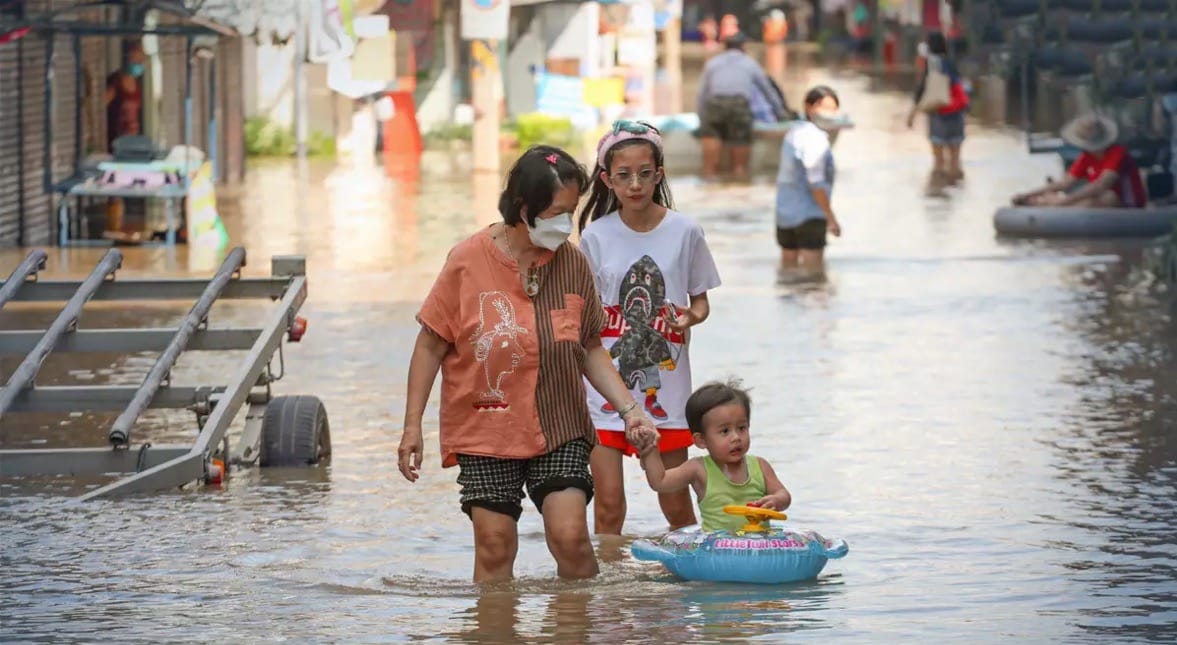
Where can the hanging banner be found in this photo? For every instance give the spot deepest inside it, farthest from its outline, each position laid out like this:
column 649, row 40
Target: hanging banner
column 329, row 40
column 347, row 14
column 486, row 19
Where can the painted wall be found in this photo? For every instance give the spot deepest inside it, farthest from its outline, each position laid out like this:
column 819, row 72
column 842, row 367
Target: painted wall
column 556, row 32
column 570, row 31
column 435, row 105
column 269, row 87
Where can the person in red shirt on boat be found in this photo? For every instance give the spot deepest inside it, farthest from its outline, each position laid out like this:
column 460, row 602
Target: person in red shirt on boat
column 1104, row 175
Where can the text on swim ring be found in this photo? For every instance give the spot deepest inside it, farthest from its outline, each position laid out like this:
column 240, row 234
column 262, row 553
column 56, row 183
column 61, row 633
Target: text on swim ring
column 771, row 543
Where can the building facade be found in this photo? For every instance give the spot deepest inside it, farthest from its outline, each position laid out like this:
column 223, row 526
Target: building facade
column 33, row 159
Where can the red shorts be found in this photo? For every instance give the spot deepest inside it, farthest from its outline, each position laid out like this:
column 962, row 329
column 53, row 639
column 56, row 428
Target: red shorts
column 668, row 440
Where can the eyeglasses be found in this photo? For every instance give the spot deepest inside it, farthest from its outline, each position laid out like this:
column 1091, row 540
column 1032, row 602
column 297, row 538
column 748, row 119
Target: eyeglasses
column 643, row 177
column 632, row 127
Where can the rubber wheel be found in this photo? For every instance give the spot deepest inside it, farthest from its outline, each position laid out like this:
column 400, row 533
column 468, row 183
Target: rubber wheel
column 295, row 432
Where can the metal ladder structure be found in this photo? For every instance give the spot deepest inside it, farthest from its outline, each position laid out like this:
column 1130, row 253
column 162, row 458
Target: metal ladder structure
column 291, row 430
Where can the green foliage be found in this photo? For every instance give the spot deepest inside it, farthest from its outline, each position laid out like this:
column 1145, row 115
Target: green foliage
column 447, row 132
column 320, row 145
column 265, row 138
column 525, row 131
column 534, row 128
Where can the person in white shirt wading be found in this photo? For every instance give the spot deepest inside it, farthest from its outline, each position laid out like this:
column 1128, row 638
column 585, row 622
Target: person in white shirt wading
column 653, row 269
column 805, row 181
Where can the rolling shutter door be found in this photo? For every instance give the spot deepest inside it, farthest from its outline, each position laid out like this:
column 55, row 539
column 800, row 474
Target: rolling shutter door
column 65, row 128
column 32, row 88
column 10, row 202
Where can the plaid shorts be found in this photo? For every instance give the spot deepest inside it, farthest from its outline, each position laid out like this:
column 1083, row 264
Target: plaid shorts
column 497, row 484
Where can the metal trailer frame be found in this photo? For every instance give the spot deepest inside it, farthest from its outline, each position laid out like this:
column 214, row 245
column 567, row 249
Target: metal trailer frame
column 292, row 433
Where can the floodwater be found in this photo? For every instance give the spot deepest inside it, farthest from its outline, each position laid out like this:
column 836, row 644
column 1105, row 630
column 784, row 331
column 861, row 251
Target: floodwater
column 988, row 424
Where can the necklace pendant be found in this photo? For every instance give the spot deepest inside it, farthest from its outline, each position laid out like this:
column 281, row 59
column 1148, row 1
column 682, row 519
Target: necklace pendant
column 532, row 287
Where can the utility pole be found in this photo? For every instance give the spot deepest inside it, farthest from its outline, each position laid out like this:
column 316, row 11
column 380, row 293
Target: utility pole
column 672, row 64
column 300, row 82
column 484, row 74
column 484, row 25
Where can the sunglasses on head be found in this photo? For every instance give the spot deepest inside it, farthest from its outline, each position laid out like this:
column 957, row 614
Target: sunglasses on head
column 632, row 127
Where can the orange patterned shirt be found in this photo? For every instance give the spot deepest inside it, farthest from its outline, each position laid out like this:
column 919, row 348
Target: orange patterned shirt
column 511, row 383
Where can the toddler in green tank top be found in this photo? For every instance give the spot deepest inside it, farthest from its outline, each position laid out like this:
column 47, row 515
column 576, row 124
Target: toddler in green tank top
column 717, row 415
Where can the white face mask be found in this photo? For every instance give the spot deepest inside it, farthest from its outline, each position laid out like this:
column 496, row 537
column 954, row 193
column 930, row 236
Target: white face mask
column 828, row 119
column 831, row 122
column 552, row 232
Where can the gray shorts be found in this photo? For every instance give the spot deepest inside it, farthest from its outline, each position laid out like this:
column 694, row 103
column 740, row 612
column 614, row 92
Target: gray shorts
column 946, row 129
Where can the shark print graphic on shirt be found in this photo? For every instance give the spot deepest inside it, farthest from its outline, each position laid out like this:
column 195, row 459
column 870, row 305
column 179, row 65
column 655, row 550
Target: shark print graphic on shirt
column 642, row 351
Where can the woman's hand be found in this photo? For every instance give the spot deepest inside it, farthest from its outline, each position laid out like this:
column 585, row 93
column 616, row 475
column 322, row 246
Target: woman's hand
column 640, row 431
column 834, row 227
column 423, row 366
column 409, row 453
column 644, row 439
column 635, row 420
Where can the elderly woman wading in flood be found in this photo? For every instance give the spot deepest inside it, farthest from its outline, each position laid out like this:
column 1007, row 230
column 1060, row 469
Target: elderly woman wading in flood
column 513, row 322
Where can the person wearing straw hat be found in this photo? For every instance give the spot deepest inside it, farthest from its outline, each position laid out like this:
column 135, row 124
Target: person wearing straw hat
column 1104, row 175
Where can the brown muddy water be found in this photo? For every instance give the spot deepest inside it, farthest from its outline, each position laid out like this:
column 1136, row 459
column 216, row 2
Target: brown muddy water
column 988, row 424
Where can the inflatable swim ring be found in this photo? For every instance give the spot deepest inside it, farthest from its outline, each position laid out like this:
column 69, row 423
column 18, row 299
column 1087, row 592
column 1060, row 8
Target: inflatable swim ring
column 757, row 553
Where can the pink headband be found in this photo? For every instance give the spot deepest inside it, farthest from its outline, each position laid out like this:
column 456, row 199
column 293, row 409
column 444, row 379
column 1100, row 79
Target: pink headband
column 624, row 131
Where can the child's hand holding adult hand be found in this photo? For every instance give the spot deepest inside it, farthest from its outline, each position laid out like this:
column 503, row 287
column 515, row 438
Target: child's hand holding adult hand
column 648, row 444
column 640, row 432
column 643, row 439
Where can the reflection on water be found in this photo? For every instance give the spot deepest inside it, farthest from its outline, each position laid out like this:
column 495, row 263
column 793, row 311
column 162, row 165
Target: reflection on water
column 987, row 423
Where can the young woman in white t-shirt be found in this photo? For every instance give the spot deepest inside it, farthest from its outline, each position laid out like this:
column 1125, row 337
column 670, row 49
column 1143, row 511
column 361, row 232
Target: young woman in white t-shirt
column 653, row 270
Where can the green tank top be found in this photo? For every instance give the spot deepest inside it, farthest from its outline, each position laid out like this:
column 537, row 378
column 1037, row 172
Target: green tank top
column 722, row 492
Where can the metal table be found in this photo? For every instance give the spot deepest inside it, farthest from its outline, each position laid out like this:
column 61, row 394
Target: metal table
column 171, row 194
